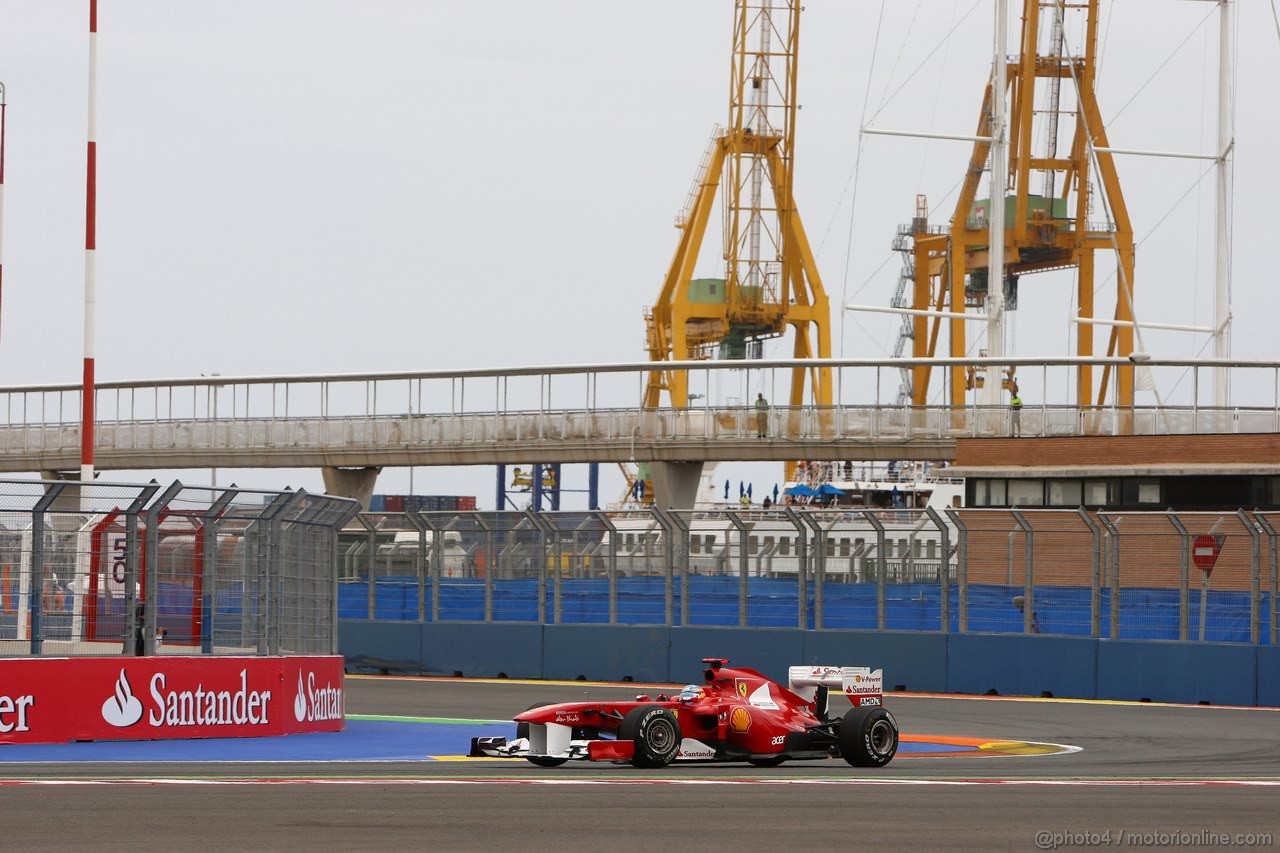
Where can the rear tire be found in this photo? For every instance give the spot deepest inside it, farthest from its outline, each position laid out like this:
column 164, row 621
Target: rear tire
column 656, row 733
column 868, row 737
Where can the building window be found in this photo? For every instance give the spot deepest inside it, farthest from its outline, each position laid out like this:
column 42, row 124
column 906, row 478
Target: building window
column 989, row 493
column 1026, row 493
column 1101, row 492
column 1065, row 493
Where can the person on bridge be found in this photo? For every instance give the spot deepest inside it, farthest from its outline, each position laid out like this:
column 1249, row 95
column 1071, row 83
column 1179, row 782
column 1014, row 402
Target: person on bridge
column 1015, row 415
column 762, row 416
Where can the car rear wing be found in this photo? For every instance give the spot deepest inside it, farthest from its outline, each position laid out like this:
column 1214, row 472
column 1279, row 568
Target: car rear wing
column 862, row 684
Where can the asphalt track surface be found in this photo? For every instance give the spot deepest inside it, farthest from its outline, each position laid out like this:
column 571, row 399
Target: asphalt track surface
column 1141, row 770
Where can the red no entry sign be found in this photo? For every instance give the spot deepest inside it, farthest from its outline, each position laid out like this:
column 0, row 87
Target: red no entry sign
column 1205, row 551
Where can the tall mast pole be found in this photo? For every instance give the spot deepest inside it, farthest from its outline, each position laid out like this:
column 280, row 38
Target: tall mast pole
column 2, row 109
column 993, row 387
column 1222, row 277
column 90, row 240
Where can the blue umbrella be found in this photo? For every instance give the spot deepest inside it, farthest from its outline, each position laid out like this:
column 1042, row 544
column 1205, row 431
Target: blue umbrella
column 748, row 490
column 726, row 490
column 742, row 490
column 828, row 489
column 775, row 492
column 801, row 491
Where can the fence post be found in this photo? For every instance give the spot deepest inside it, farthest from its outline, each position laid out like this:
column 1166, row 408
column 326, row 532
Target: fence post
column 962, row 568
column 743, row 566
column 882, row 564
column 802, row 568
column 209, row 565
column 35, row 592
column 1255, row 590
column 611, row 564
column 944, row 569
column 668, row 538
column 1029, row 622
column 1113, row 576
column 275, row 534
column 151, row 571
column 1095, row 574
column 542, row 566
column 1184, row 577
column 421, row 561
column 371, row 550
column 490, row 566
column 819, row 568
column 1274, row 552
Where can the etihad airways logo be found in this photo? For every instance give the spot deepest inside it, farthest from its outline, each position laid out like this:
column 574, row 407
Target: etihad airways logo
column 176, row 708
column 313, row 704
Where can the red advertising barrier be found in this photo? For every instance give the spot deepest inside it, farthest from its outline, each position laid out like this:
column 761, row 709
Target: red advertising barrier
column 55, row 700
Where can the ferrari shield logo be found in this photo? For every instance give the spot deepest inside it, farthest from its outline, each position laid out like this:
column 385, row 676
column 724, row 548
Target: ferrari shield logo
column 742, row 688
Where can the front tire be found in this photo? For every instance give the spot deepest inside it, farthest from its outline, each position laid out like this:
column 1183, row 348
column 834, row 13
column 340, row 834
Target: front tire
column 656, row 733
column 868, row 737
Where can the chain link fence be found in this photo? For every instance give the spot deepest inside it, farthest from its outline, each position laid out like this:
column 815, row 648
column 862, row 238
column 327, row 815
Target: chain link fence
column 103, row 569
column 1157, row 575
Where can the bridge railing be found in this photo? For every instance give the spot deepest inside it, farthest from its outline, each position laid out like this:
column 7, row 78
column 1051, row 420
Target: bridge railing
column 599, row 403
column 807, row 423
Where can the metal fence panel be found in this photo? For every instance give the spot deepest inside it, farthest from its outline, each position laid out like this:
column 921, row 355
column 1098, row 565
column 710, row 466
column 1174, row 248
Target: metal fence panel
column 1057, row 572
column 104, row 569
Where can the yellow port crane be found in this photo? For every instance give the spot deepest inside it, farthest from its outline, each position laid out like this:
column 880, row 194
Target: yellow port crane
column 771, row 280
column 1050, row 230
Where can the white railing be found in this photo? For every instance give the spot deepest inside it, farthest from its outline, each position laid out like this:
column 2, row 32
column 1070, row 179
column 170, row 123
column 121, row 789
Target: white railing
column 588, row 403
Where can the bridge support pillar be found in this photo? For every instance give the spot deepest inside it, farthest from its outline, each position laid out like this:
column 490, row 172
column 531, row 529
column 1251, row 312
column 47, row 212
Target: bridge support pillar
column 354, row 483
column 675, row 484
column 69, row 499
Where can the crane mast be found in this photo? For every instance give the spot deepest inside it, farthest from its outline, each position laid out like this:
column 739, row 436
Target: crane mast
column 1081, row 211
column 770, row 278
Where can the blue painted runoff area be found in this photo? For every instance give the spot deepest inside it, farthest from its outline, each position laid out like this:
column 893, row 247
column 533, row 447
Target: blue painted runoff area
column 361, row 740
column 920, row 661
column 1144, row 613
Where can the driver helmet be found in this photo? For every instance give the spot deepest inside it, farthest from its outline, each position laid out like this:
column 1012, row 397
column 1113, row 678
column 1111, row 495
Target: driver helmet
column 690, row 693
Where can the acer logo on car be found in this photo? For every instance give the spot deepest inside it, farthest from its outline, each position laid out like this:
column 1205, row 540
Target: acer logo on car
column 314, row 704
column 13, row 713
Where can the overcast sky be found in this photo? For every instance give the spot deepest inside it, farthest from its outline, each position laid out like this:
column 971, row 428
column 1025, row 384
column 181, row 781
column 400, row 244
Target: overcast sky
column 338, row 186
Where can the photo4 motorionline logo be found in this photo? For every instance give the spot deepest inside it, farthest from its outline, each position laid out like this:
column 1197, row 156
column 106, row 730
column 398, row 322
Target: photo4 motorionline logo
column 203, row 706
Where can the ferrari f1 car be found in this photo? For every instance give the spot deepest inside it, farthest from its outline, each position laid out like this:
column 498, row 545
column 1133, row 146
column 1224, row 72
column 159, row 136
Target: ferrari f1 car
column 737, row 714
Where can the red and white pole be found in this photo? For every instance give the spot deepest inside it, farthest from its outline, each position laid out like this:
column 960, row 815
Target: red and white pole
column 2, row 106
column 90, row 240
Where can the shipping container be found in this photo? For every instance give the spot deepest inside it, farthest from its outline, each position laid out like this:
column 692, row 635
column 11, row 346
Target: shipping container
column 466, row 503
column 394, row 503
column 378, row 503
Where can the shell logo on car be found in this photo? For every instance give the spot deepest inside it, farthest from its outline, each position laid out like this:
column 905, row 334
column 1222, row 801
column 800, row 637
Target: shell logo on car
column 740, row 720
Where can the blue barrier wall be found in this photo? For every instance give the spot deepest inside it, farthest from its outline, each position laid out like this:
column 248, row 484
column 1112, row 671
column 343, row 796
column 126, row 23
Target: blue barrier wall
column 601, row 653
column 1022, row 666
column 921, row 662
column 1178, row 672
column 1269, row 676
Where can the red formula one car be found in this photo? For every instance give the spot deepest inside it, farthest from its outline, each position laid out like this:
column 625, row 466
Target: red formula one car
column 737, row 715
